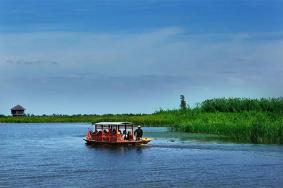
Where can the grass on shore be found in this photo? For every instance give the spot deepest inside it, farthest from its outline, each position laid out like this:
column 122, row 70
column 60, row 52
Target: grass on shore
column 256, row 121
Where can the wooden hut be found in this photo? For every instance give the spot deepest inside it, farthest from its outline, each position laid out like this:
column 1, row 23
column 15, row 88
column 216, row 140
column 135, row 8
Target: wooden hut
column 18, row 111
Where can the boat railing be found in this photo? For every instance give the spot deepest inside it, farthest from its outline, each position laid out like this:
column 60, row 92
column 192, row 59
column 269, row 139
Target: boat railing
column 108, row 136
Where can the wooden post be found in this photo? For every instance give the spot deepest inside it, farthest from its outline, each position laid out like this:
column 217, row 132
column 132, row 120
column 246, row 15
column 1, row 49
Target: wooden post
column 102, row 133
column 109, row 135
column 133, row 131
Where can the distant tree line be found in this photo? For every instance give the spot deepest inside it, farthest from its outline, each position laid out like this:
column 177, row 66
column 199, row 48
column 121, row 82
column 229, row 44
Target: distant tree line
column 242, row 104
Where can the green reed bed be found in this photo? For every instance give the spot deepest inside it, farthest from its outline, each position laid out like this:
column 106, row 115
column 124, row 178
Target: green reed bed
column 247, row 120
column 255, row 127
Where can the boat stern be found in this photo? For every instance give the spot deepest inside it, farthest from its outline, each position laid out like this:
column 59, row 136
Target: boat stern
column 146, row 140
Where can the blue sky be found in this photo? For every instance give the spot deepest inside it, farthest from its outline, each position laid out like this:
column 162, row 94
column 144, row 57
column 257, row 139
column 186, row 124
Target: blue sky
column 71, row 56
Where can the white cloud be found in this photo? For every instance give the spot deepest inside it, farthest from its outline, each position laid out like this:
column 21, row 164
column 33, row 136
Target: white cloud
column 166, row 61
column 168, row 51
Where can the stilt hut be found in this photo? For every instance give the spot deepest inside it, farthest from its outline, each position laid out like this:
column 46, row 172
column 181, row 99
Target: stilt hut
column 18, row 111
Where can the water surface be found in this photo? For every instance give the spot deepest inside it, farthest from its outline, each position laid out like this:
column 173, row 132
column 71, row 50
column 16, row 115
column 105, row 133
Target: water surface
column 54, row 155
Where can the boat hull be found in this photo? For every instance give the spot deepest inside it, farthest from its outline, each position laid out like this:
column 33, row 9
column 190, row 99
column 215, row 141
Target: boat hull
column 118, row 143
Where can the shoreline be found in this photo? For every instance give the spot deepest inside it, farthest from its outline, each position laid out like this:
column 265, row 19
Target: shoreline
column 258, row 121
column 253, row 127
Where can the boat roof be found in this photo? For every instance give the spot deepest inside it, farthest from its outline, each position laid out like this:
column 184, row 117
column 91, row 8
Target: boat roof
column 113, row 123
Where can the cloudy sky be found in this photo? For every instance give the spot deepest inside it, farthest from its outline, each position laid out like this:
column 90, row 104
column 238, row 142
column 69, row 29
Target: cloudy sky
column 122, row 56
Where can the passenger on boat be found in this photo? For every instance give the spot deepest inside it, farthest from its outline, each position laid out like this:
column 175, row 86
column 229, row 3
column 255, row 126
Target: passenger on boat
column 128, row 136
column 125, row 134
column 138, row 133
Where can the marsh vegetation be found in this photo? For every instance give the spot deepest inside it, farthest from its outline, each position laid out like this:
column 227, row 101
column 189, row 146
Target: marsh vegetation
column 244, row 120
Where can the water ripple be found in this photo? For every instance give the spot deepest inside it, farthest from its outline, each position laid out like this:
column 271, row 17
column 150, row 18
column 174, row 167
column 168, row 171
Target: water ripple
column 55, row 156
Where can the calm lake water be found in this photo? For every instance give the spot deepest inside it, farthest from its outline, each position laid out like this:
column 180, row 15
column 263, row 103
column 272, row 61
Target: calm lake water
column 54, row 155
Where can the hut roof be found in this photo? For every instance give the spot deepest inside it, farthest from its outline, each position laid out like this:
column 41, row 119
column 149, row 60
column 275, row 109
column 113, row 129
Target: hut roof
column 18, row 107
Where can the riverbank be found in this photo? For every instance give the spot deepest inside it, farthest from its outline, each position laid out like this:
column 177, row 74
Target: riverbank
column 256, row 127
column 261, row 121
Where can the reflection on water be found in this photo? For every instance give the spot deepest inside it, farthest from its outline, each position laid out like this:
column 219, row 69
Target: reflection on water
column 54, row 155
column 117, row 149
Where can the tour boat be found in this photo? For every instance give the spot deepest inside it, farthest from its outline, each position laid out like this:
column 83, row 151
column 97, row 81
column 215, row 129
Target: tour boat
column 114, row 133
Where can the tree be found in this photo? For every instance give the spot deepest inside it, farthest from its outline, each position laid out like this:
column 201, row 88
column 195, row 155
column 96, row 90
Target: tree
column 183, row 104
